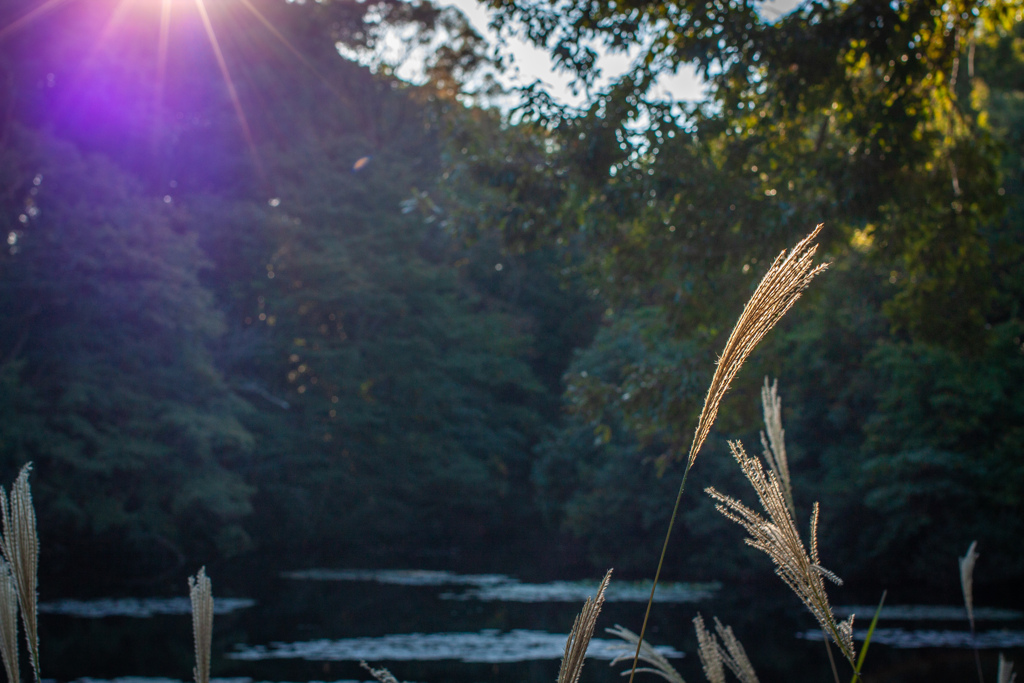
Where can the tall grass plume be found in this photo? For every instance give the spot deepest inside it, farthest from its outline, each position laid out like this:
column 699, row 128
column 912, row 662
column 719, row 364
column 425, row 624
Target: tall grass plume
column 1005, row 672
column 715, row 655
column 9, row 622
column 201, row 593
column 579, row 638
column 20, row 547
column 777, row 536
column 786, row 279
column 774, row 443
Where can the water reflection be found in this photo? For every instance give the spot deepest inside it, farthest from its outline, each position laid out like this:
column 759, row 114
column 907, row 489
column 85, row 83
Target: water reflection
column 399, row 577
column 489, row 646
column 922, row 638
column 142, row 608
column 159, row 679
column 930, row 613
column 498, row 587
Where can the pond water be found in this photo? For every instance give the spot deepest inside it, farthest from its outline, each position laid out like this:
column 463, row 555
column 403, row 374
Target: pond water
column 441, row 626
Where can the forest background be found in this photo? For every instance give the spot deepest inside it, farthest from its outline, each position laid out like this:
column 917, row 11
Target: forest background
column 260, row 301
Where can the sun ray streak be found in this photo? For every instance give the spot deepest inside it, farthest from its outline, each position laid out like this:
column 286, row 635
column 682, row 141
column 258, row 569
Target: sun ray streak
column 229, row 83
column 113, row 23
column 161, row 70
column 29, row 17
column 291, row 48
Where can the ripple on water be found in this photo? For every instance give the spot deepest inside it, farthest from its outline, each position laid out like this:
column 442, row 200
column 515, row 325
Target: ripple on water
column 578, row 591
column 136, row 607
column 157, row 679
column 398, row 577
column 487, row 646
column 930, row 613
column 500, row 588
column 914, row 639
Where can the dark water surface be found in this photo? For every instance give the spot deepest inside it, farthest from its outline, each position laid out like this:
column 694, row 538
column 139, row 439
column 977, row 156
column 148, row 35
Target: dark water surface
column 440, row 627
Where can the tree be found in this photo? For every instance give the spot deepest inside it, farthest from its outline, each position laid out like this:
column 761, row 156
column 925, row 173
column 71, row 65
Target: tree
column 106, row 337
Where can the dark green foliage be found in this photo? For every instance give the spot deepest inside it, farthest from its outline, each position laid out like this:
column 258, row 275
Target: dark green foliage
column 106, row 332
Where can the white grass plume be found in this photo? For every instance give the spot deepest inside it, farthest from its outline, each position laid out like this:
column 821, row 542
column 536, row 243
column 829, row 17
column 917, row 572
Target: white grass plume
column 579, row 638
column 967, row 563
column 709, row 652
column 201, row 593
column 1005, row 673
column 730, row 653
column 779, row 539
column 659, row 665
column 781, row 286
column 775, row 443
column 9, row 622
column 20, row 546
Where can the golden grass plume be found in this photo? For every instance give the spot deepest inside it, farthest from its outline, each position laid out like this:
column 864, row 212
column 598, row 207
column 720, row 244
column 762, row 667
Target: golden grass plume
column 579, row 638
column 780, row 288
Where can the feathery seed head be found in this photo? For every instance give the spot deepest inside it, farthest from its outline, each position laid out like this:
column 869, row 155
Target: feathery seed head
column 659, row 665
column 715, row 655
column 201, row 594
column 967, row 579
column 779, row 539
column 579, row 638
column 735, row 657
column 709, row 652
column 20, row 546
column 774, row 443
column 781, row 286
column 8, row 621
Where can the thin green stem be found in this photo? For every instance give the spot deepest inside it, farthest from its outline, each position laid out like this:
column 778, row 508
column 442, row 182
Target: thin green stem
column 657, row 574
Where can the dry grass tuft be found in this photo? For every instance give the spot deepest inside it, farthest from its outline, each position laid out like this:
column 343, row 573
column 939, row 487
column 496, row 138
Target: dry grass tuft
column 780, row 288
column 201, row 593
column 659, row 665
column 779, row 539
column 20, row 546
column 579, row 638
column 9, row 622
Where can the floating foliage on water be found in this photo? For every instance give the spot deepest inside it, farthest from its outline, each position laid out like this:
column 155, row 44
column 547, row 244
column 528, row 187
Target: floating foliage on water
column 487, row 646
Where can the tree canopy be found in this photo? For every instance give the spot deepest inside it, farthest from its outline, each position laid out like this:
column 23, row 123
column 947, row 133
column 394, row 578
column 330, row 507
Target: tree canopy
column 258, row 296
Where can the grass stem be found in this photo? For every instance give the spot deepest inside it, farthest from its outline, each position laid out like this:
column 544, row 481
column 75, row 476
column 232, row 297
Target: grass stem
column 657, row 574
